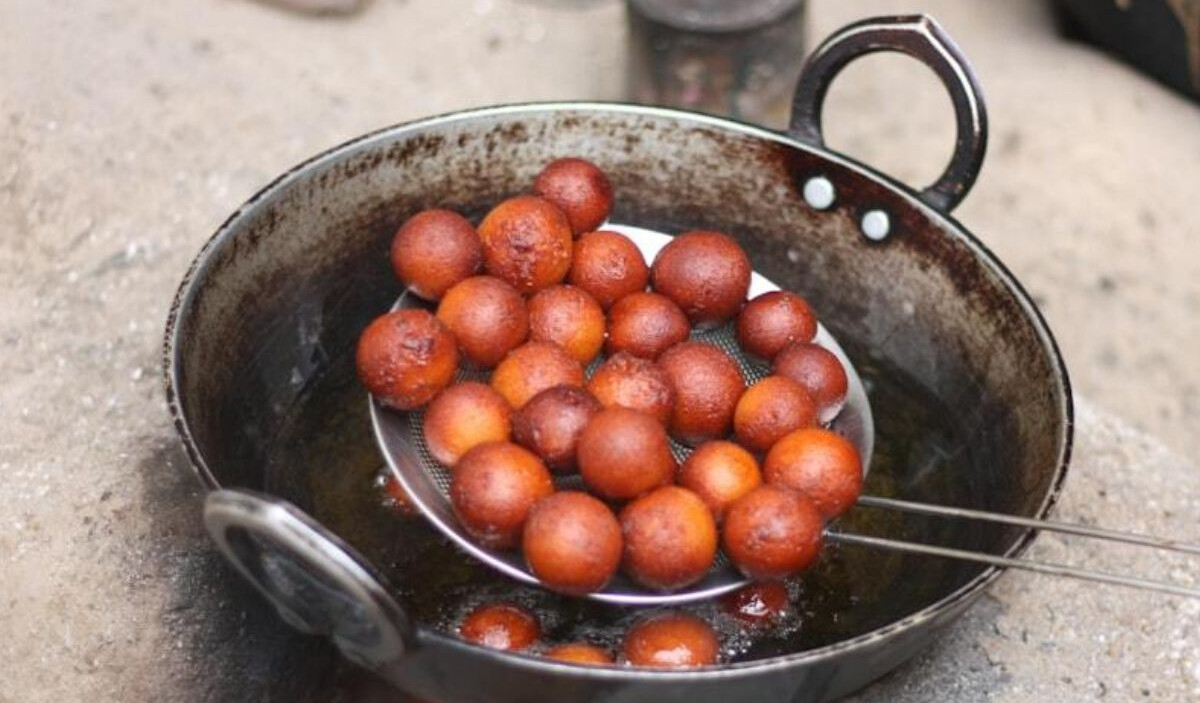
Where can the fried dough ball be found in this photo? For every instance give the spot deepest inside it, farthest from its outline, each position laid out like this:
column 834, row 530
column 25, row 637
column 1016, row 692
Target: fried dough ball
column 759, row 603
column 493, row 489
column 821, row 464
column 433, row 250
column 719, row 473
column 463, row 417
column 770, row 409
column 531, row 369
column 570, row 318
column 707, row 386
column 405, row 358
column 609, row 266
column 624, row 453
column 572, row 543
column 819, row 371
column 503, row 626
column 646, row 325
column 631, row 382
column 487, row 317
column 774, row 320
column 772, row 533
column 580, row 189
column 706, row 273
column 670, row 538
column 549, row 425
column 580, row 653
column 671, row 641
column 527, row 242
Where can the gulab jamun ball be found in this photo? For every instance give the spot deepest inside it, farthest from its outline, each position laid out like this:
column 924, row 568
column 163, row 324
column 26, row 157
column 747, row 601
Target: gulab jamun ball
column 770, row 409
column 532, row 368
column 406, row 357
column 821, row 464
column 774, row 320
column 609, row 266
column 819, row 371
column 527, row 242
column 646, row 325
column 580, row 189
column 759, row 603
column 772, row 533
column 706, row 273
column 433, row 250
column 719, row 473
column 570, row 318
column 549, row 425
column 461, row 418
column 707, row 386
column 631, row 382
column 670, row 538
column 572, row 543
column 671, row 641
column 580, row 653
column 624, row 453
column 503, row 626
column 493, row 488
column 488, row 318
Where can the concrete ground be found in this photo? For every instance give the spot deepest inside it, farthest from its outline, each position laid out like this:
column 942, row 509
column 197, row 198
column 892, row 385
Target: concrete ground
column 129, row 130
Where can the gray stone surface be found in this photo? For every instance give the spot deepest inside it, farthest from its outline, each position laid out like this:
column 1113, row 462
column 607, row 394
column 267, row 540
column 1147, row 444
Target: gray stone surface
column 130, row 129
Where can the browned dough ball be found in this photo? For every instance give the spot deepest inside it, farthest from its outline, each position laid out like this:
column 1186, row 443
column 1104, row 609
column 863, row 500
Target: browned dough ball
column 580, row 653
column 580, row 189
column 772, row 533
column 819, row 371
column 774, row 320
column 706, row 273
column 463, row 417
column 527, row 242
column 670, row 538
column 624, row 453
column 759, row 603
column 707, row 386
column 503, row 626
column 770, row 409
column 609, row 266
column 720, row 473
column 646, row 325
column 671, row 641
column 631, row 382
column 405, row 358
column 572, row 543
column 549, row 425
column 487, row 317
column 821, row 464
column 570, row 318
column 433, row 250
column 531, row 369
column 493, row 489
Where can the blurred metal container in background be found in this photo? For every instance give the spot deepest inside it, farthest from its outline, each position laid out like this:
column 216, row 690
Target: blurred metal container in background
column 737, row 58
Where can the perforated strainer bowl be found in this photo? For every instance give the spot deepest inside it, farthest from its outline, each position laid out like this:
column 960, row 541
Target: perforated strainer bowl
column 400, row 437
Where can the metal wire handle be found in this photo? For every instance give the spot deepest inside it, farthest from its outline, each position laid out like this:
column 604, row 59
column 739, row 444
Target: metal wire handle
column 1024, row 564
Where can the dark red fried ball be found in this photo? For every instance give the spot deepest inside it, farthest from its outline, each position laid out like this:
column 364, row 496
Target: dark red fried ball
column 774, row 320
column 527, row 242
column 631, row 382
column 759, row 603
column 646, row 325
column 549, row 425
column 772, row 533
column 463, row 417
column 570, row 318
column 706, row 273
column 405, row 358
column 580, row 189
column 821, row 464
column 671, row 641
column 670, row 538
column 531, row 369
column 487, row 317
column 493, row 489
column 719, row 473
column 770, row 409
column 503, row 626
column 609, row 266
column 819, row 371
column 435, row 249
column 624, row 453
column 572, row 542
column 707, row 386
column 580, row 653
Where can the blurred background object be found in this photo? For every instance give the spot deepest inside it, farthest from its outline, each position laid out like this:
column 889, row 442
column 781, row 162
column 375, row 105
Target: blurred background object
column 320, row 7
